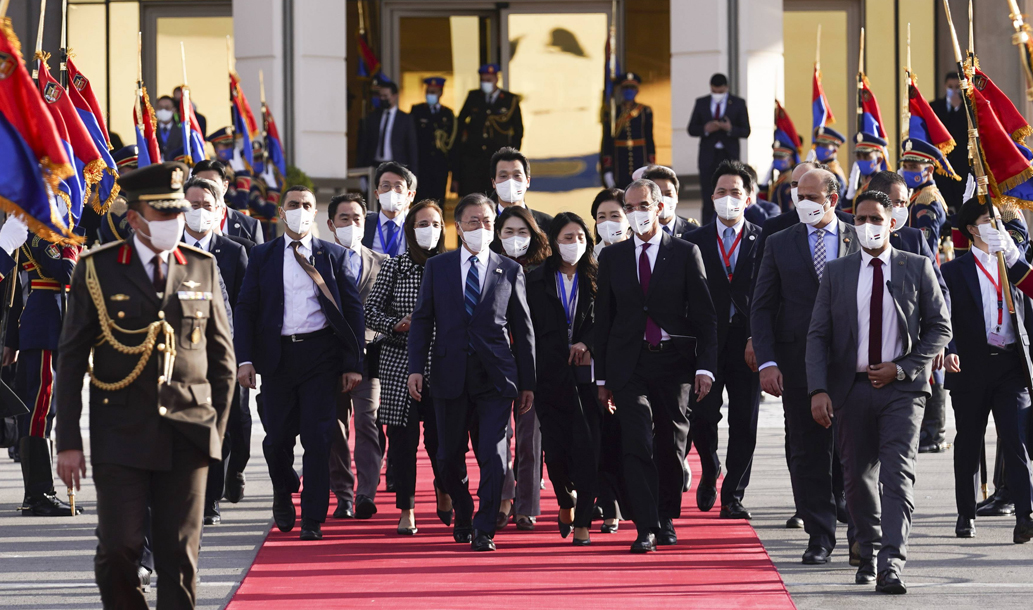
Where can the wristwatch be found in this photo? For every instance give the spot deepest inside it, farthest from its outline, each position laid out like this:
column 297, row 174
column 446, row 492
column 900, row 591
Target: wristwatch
column 900, row 373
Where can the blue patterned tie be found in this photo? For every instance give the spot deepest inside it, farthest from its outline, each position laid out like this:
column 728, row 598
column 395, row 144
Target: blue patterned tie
column 729, row 240
column 390, row 228
column 473, row 287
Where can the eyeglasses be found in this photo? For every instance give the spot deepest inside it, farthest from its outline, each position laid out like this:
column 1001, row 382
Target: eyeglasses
column 476, row 223
column 642, row 207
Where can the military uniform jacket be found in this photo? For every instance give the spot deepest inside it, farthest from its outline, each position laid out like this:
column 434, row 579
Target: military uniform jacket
column 780, row 192
column 928, row 213
column 134, row 425
column 484, row 128
column 632, row 146
column 435, row 134
column 47, row 269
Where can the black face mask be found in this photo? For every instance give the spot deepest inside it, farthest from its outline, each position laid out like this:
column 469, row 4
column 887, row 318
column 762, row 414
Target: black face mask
column 385, row 104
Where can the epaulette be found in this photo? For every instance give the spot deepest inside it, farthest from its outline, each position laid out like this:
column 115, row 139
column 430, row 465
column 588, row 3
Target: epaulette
column 101, row 248
column 196, row 250
column 928, row 195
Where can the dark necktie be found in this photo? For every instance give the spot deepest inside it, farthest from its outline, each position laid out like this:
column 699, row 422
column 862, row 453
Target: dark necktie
column 383, row 133
column 717, row 111
column 390, row 228
column 313, row 273
column 875, row 311
column 159, row 276
column 472, row 293
column 653, row 334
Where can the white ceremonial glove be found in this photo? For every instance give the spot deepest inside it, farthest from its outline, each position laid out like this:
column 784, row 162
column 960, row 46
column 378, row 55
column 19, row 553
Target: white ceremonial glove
column 237, row 162
column 13, row 234
column 998, row 240
column 608, row 180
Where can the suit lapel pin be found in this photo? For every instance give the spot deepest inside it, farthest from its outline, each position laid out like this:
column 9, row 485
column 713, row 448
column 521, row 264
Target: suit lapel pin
column 846, row 240
column 236, row 225
column 498, row 271
column 753, row 237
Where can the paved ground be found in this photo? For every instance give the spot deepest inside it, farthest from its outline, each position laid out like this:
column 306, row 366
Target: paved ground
column 47, row 563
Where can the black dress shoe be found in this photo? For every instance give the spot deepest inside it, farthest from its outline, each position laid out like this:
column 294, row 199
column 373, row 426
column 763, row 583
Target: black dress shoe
column 344, row 510
column 667, row 536
column 816, row 555
column 481, row 542
column 212, row 516
column 794, row 523
column 932, row 448
column 995, row 506
column 47, row 505
column 565, row 528
column 645, row 543
column 283, row 511
column 841, row 511
column 462, row 534
column 145, row 578
column 889, row 582
column 585, row 542
column 311, row 529
column 365, row 507
column 1023, row 530
column 234, row 491
column 865, row 574
column 735, row 510
column 610, row 529
column 966, row 527
column 444, row 515
column 706, row 494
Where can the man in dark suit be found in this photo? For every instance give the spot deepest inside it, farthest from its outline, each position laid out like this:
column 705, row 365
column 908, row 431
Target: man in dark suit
column 651, row 336
column 389, row 133
column 168, row 132
column 783, row 297
column 878, row 322
column 670, row 221
column 511, row 177
column 988, row 369
column 346, row 216
column 233, row 223
column 435, row 133
column 152, row 432
column 728, row 247
column 719, row 120
column 395, row 188
column 483, row 362
column 951, row 112
column 490, row 119
column 299, row 324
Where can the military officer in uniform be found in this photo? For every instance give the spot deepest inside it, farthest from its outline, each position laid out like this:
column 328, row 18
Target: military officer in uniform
column 785, row 159
column 630, row 145
column 435, row 133
column 826, row 150
column 869, row 158
column 150, row 312
column 489, row 120
column 928, row 211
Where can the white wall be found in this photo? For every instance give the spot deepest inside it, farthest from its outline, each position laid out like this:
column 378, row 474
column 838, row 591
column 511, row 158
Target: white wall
column 258, row 45
column 761, row 69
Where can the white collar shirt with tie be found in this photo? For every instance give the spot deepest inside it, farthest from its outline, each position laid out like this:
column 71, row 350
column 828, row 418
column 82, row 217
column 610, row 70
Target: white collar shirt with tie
column 204, row 243
column 988, row 294
column 387, row 126
column 302, row 312
column 354, row 261
column 718, row 110
column 149, row 258
column 383, row 223
column 482, row 267
column 892, row 344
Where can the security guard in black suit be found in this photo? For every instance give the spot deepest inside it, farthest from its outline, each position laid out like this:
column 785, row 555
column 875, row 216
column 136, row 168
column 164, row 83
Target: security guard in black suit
column 630, row 145
column 435, row 133
column 489, row 120
column 151, row 314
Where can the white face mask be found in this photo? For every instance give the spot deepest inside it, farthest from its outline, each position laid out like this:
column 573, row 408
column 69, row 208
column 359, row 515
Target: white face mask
column 670, row 207
column 478, row 240
column 164, row 234
column 350, row 236
column 717, row 97
column 795, row 194
column 391, row 201
column 200, row 220
column 729, row 207
column 432, row 99
column 511, row 190
column 299, row 220
column 641, row 222
column 986, row 231
column 516, row 245
column 164, row 116
column 872, row 236
column 900, row 215
column 572, row 253
column 611, row 231
column 427, row 237
column 810, row 212
column 487, row 87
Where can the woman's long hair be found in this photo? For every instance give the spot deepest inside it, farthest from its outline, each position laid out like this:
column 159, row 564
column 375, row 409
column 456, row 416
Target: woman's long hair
column 539, row 249
column 420, row 255
column 587, row 266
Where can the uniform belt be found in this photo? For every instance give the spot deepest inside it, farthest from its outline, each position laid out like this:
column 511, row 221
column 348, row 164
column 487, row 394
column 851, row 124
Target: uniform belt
column 45, row 285
column 663, row 346
column 298, row 338
column 1000, row 351
column 29, row 266
column 630, row 143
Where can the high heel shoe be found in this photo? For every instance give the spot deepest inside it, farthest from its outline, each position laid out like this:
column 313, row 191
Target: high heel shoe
column 444, row 515
column 610, row 529
column 406, row 531
column 565, row 528
column 585, row 542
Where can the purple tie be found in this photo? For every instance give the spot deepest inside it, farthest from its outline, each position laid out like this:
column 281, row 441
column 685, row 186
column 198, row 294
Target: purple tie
column 653, row 334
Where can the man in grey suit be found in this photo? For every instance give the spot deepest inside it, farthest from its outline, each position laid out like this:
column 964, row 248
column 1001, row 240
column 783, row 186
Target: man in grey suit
column 879, row 320
column 787, row 284
column 346, row 218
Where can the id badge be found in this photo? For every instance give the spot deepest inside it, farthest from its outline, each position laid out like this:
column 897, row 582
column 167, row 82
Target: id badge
column 996, row 340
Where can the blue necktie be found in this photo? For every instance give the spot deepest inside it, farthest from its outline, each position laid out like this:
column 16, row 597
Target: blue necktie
column 472, row 293
column 729, row 239
column 390, row 228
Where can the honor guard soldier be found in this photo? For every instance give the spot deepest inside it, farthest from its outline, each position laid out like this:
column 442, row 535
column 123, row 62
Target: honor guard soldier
column 489, row 120
column 113, row 225
column 869, row 158
column 150, row 313
column 630, row 145
column 435, row 133
column 928, row 212
column 785, row 159
column 826, row 150
column 237, row 173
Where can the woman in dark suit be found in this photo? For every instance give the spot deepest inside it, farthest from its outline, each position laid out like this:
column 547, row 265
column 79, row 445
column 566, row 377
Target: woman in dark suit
column 389, row 310
column 561, row 293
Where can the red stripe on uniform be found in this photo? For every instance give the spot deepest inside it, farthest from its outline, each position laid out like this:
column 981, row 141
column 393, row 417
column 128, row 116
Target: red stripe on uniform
column 182, row 260
column 125, row 254
column 41, row 407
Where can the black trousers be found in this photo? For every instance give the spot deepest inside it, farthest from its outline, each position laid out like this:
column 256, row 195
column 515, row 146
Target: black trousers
column 743, row 409
column 570, row 419
column 811, row 468
column 176, row 501
column 301, row 398
column 707, row 166
column 405, row 441
column 480, row 402
column 236, row 447
column 1005, row 394
column 611, row 467
column 653, row 412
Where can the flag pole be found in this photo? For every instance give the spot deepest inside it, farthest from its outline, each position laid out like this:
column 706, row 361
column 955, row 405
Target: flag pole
column 817, row 51
column 183, row 57
column 971, row 31
column 39, row 38
column 613, row 66
column 860, row 84
column 976, row 155
column 63, row 63
column 905, row 110
column 261, row 87
column 3, row 7
column 1022, row 39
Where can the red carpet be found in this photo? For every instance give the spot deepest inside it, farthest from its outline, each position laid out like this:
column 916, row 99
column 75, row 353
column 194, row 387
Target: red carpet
column 716, row 564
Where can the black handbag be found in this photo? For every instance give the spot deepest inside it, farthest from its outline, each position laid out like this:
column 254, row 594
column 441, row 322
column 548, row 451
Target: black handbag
column 373, row 356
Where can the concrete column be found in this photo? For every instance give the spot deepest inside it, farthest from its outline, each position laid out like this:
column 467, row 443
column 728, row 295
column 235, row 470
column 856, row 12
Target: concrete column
column 761, row 75
column 258, row 45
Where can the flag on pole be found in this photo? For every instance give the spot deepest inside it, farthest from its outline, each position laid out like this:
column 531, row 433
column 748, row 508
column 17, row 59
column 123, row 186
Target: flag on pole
column 785, row 131
column 871, row 118
column 1011, row 119
column 193, row 140
column 243, row 119
column 924, row 124
column 34, row 159
column 146, row 129
column 86, row 106
column 273, row 144
column 819, row 103
column 1007, row 163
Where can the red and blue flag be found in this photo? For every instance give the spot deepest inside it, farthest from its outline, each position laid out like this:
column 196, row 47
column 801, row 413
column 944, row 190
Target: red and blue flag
column 1011, row 119
column 86, row 106
column 1007, row 162
column 145, row 126
column 924, row 124
column 785, row 130
column 819, row 103
column 243, row 119
column 273, row 144
column 871, row 118
column 193, row 139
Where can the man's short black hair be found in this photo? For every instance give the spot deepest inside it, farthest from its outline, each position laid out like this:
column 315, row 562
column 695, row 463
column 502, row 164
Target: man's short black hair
column 952, row 75
column 662, row 172
column 883, row 181
column 391, row 86
column 471, row 200
column 730, row 167
column 508, row 153
column 877, row 196
column 211, row 187
column 210, row 165
column 395, row 168
column 166, row 97
column 969, row 213
column 718, row 80
column 297, row 188
column 337, row 200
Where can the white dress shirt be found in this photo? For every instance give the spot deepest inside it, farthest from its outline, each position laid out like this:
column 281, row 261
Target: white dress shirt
column 723, row 103
column 989, row 294
column 302, row 312
column 482, row 266
column 354, row 262
column 149, row 258
column 205, row 243
column 892, row 345
column 387, row 127
column 399, row 221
